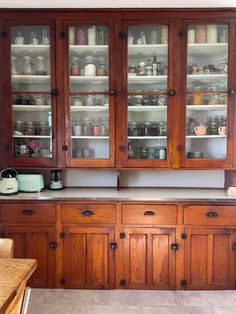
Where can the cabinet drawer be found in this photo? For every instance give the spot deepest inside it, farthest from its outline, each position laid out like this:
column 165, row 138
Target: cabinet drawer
column 149, row 214
column 19, row 213
column 88, row 213
column 209, row 215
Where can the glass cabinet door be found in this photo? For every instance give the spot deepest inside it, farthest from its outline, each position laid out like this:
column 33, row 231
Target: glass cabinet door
column 147, row 103
column 207, row 110
column 89, row 103
column 30, row 94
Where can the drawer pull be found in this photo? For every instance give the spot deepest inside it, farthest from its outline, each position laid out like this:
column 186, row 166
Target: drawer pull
column 212, row 214
column 87, row 213
column 27, row 212
column 149, row 213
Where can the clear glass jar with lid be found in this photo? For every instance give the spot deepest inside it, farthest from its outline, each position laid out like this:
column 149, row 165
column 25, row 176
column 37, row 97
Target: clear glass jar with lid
column 102, row 67
column 27, row 65
column 90, row 67
column 40, row 66
column 14, row 65
column 74, row 68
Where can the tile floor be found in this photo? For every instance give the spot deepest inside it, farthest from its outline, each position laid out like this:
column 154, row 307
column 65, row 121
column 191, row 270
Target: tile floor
column 58, row 301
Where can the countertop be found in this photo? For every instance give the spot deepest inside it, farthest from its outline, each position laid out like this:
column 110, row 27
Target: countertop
column 126, row 194
column 12, row 272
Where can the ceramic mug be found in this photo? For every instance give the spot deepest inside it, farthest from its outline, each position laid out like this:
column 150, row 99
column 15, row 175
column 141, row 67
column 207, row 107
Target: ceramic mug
column 200, row 130
column 222, row 130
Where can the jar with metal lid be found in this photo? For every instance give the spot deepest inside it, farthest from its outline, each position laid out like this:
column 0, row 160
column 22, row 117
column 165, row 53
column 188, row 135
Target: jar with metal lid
column 74, row 68
column 19, row 126
column 81, row 35
column 102, row 67
column 162, row 128
column 77, row 101
column 96, row 127
column 14, row 65
column 132, row 70
column 27, row 65
column 138, row 100
column 30, row 128
column 148, row 68
column 164, row 35
column 101, row 35
column 40, row 100
column 87, row 126
column 90, row 67
column 201, row 34
column 133, row 129
column 40, row 66
column 43, row 128
column 197, row 96
column 142, row 69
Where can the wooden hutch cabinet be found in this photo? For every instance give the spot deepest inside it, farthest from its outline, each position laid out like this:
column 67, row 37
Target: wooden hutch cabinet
column 114, row 88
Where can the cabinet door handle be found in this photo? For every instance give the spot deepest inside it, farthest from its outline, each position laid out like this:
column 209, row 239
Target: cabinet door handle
column 27, row 212
column 149, row 213
column 212, row 214
column 87, row 213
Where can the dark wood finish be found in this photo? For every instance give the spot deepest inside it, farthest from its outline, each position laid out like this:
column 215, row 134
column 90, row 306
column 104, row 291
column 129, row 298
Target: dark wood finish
column 32, row 241
column 85, row 213
column 210, row 215
column 28, row 213
column 88, row 258
column 149, row 214
column 149, row 262
column 209, row 258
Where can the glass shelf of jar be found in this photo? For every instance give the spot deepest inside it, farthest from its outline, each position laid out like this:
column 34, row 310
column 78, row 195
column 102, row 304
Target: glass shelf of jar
column 30, row 78
column 32, row 136
column 147, row 108
column 31, row 108
column 206, row 77
column 147, row 79
column 90, row 79
column 147, row 137
column 88, row 108
column 90, row 137
column 205, row 136
column 206, row 107
column 207, row 50
column 86, row 49
column 33, row 50
column 147, row 50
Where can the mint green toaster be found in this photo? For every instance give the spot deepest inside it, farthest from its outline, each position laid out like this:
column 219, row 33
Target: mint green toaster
column 30, row 182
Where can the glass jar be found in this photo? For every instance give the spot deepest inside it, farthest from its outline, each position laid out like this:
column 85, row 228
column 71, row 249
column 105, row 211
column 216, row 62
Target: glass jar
column 40, row 66
column 77, row 128
column 27, row 65
column 162, row 128
column 33, row 39
column 162, row 153
column 101, row 35
column 132, row 70
column 191, row 36
column 212, row 34
column 133, row 129
column 102, row 67
column 74, row 68
column 201, row 34
column 43, row 128
column 197, row 96
column 19, row 40
column 137, row 100
column 14, row 65
column 20, row 126
column 104, row 129
column 40, row 100
column 71, row 35
column 45, row 37
column 87, row 127
column 81, row 35
column 142, row 69
column 96, row 127
column 77, row 101
column 90, row 67
column 164, row 35
column 30, row 128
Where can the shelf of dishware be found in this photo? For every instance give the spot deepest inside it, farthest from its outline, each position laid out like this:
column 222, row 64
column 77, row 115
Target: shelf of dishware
column 147, row 79
column 33, row 50
column 206, row 107
column 90, row 137
column 147, row 108
column 30, row 78
column 205, row 136
column 100, row 49
column 147, row 137
column 32, row 136
column 147, row 50
column 207, row 50
column 89, row 79
column 206, row 78
column 31, row 108
column 88, row 108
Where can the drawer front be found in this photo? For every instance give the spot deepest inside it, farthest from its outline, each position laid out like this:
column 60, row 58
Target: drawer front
column 149, row 214
column 19, row 213
column 85, row 213
column 209, row 215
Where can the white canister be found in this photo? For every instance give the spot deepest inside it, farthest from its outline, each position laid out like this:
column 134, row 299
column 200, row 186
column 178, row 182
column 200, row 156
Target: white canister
column 212, row 34
column 90, row 67
column 191, row 36
column 92, row 35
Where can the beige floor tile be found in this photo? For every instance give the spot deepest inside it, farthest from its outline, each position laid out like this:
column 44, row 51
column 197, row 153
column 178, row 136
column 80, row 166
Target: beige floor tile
column 142, row 298
column 220, row 297
column 177, row 310
column 191, row 298
column 49, row 309
column 224, row 310
column 107, row 309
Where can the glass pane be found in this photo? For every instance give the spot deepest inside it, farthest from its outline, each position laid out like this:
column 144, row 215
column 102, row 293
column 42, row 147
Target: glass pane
column 89, row 86
column 31, row 98
column 207, row 85
column 147, row 88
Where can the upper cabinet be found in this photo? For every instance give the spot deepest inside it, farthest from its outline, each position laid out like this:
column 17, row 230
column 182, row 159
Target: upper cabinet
column 131, row 89
column 208, row 67
column 30, row 94
column 89, row 93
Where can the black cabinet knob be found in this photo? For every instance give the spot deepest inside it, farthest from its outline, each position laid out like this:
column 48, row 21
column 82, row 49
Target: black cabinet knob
column 212, row 214
column 87, row 213
column 27, row 212
column 149, row 213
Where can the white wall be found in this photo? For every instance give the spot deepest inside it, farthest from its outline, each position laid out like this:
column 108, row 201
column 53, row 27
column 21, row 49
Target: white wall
column 115, row 4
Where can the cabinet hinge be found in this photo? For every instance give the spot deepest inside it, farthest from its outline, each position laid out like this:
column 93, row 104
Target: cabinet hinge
column 121, row 35
column 53, row 245
column 181, row 34
column 65, row 148
column 122, row 282
column 62, row 34
column 113, row 245
column 122, row 235
column 4, row 34
column 234, row 246
column 62, row 235
column 183, row 282
column 174, row 246
column 62, row 281
column 184, row 236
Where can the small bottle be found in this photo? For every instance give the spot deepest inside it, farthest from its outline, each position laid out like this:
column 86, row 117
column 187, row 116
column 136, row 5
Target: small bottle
column 191, row 36
column 45, row 37
column 201, row 34
column 71, row 35
column 154, row 65
column 92, row 35
column 141, row 68
column 33, row 39
column 148, row 68
column 143, row 38
column 162, row 153
column 130, row 38
column 19, row 40
column 164, row 35
column 212, row 34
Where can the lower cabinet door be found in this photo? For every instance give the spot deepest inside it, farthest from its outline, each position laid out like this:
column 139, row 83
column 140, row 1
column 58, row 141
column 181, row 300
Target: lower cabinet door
column 88, row 257
column 149, row 258
column 35, row 242
column 210, row 258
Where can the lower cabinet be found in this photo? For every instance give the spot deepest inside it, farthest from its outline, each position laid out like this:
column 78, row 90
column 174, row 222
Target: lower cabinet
column 33, row 241
column 88, row 257
column 149, row 258
column 210, row 258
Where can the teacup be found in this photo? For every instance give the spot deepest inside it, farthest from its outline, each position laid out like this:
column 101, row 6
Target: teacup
column 200, row 130
column 222, row 130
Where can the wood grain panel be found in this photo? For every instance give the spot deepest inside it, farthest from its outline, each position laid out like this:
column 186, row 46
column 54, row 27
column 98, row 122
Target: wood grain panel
column 160, row 266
